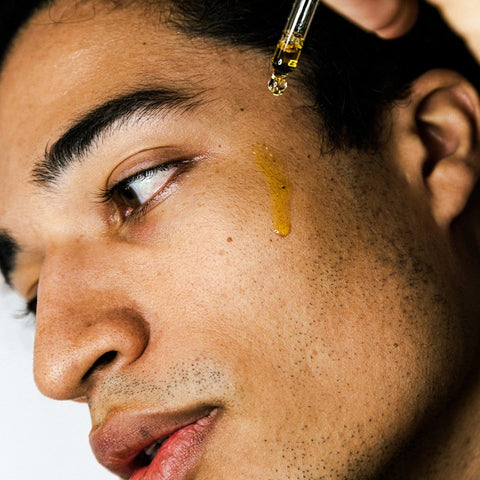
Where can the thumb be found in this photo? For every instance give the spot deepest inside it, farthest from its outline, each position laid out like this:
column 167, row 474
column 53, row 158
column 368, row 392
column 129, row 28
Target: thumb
column 386, row 18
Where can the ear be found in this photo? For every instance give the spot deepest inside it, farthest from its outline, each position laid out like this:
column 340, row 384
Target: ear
column 437, row 135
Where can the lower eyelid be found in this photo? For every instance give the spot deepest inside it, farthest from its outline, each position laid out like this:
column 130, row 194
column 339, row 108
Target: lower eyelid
column 135, row 214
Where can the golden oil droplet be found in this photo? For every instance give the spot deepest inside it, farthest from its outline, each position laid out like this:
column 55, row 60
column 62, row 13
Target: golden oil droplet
column 278, row 186
column 277, row 84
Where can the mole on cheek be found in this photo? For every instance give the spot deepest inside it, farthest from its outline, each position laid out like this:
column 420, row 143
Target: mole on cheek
column 278, row 187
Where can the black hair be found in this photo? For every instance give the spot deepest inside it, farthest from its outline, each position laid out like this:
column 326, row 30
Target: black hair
column 13, row 14
column 352, row 75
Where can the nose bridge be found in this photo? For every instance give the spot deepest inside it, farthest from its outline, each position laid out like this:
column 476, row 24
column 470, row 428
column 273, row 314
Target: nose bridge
column 87, row 325
column 73, row 275
column 75, row 263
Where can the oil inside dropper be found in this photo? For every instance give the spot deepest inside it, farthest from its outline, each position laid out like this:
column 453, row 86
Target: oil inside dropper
column 289, row 47
column 284, row 61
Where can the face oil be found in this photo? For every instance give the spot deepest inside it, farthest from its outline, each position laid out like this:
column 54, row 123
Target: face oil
column 278, row 187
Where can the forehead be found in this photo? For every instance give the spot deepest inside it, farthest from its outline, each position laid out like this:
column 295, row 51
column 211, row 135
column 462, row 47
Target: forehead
column 69, row 59
column 63, row 65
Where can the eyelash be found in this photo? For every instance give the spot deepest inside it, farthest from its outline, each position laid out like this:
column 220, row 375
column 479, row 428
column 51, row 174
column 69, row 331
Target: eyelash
column 29, row 311
column 108, row 195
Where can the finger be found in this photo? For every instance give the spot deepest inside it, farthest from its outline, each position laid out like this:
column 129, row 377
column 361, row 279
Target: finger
column 463, row 16
column 386, row 18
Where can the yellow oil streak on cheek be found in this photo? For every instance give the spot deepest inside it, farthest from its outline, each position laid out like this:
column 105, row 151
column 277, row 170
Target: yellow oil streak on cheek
column 278, row 187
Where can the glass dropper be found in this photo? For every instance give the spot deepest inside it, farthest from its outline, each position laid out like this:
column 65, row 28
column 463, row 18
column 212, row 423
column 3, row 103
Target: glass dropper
column 289, row 47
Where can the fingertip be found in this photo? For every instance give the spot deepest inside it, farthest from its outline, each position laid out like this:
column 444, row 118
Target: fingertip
column 385, row 18
column 401, row 21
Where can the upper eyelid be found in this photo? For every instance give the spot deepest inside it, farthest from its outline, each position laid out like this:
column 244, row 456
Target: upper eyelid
column 107, row 192
column 147, row 159
column 143, row 174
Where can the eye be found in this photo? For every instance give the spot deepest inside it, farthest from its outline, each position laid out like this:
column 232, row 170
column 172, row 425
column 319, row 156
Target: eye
column 133, row 195
column 30, row 310
column 32, row 306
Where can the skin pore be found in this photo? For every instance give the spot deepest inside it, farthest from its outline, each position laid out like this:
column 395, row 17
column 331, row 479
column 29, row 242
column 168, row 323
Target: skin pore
column 324, row 351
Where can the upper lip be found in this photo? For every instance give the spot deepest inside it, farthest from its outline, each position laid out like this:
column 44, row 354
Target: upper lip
column 118, row 442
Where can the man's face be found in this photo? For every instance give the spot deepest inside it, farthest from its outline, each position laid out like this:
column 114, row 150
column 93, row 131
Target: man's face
column 165, row 297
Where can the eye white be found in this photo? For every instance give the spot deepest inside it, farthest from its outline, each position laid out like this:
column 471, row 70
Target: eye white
column 149, row 183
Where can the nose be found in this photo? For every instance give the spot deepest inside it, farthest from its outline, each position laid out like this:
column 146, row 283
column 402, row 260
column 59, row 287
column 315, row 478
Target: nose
column 87, row 325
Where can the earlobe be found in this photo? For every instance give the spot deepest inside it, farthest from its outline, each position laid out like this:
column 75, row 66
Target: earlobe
column 447, row 117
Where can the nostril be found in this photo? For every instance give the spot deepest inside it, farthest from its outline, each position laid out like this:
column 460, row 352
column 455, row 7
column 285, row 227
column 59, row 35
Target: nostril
column 101, row 362
column 96, row 343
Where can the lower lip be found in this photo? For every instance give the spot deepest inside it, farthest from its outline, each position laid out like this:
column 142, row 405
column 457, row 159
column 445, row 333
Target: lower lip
column 180, row 454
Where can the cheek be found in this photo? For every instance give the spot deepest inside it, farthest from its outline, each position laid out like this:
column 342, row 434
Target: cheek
column 333, row 336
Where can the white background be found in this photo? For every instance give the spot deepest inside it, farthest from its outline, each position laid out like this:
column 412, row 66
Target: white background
column 40, row 439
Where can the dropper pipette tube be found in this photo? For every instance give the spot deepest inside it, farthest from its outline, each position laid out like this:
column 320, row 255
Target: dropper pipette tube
column 289, row 47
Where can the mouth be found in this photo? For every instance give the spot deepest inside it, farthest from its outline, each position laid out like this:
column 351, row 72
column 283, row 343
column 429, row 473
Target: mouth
column 153, row 446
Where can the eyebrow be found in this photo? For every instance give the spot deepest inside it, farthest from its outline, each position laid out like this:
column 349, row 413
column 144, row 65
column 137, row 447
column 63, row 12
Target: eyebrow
column 8, row 253
column 88, row 131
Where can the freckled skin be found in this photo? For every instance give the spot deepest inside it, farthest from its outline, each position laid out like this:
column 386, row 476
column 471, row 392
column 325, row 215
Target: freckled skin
column 325, row 351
